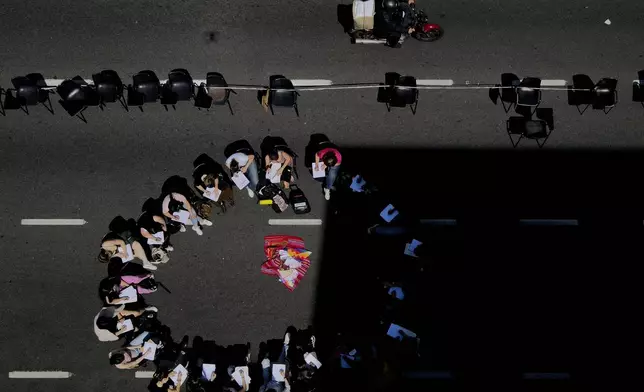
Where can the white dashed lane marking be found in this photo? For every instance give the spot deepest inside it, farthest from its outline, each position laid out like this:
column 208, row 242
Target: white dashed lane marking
column 53, row 222
column 295, row 222
column 39, row 374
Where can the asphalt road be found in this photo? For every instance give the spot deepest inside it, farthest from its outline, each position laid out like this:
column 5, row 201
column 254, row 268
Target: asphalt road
column 57, row 167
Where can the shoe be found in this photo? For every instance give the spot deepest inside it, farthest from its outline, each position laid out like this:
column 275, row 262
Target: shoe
column 149, row 266
column 184, row 342
column 206, row 222
column 266, row 363
column 183, row 229
column 152, row 309
column 313, row 341
column 287, row 338
column 250, row 192
column 169, row 248
column 197, row 230
column 327, row 194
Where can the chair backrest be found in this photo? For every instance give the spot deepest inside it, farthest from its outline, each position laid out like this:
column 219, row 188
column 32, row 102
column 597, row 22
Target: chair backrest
column 108, row 85
column 69, row 90
column 180, row 83
column 147, row 83
column 535, row 129
column 241, row 145
column 202, row 99
column 528, row 92
column 516, row 125
column 605, row 91
column 582, row 81
column 220, row 96
column 27, row 92
column 405, row 91
column 510, row 81
column 282, row 98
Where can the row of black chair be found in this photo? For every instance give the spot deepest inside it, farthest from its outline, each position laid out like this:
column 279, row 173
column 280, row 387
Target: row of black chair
column 76, row 94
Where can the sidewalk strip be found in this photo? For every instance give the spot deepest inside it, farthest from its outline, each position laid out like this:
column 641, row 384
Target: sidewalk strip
column 295, row 222
column 311, row 82
column 53, row 222
column 41, row 374
column 142, row 374
column 434, row 82
column 553, row 83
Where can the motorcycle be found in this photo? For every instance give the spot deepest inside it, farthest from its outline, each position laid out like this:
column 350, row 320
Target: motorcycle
column 365, row 33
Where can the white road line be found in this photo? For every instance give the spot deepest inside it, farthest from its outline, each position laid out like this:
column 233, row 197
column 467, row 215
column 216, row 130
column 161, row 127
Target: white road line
column 549, row 222
column 311, row 82
column 553, row 83
column 434, row 82
column 295, row 222
column 142, row 374
column 53, row 222
column 546, row 376
column 42, row 374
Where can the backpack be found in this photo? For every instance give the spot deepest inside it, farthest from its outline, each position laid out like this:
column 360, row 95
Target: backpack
column 299, row 202
column 276, row 195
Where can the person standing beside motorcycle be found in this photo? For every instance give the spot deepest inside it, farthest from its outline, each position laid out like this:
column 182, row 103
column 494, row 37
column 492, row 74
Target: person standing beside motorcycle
column 397, row 15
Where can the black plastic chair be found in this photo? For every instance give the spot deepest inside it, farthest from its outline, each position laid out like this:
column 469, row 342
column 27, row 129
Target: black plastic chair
column 279, row 97
column 76, row 96
column 31, row 91
column 638, row 88
column 581, row 92
column 527, row 128
column 145, row 88
column 109, row 88
column 528, row 93
column 404, row 93
column 178, row 87
column 202, row 99
column 508, row 90
column 605, row 94
column 219, row 96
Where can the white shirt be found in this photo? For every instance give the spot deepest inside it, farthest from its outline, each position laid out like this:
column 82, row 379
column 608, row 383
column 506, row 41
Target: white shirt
column 240, row 157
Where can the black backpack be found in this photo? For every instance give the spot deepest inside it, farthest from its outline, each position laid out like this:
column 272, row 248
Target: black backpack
column 299, row 202
column 274, row 193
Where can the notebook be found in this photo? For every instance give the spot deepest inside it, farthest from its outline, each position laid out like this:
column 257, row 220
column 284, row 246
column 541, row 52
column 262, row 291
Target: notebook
column 125, row 325
column 237, row 375
column 130, row 292
column 212, row 193
column 157, row 240
column 182, row 216
column 311, row 359
column 179, row 370
column 272, row 173
column 150, row 345
column 394, row 330
column 240, row 180
column 318, row 173
column 207, row 370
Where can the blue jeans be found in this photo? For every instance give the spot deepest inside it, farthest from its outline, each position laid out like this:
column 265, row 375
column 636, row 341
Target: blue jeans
column 331, row 175
column 253, row 175
column 267, row 374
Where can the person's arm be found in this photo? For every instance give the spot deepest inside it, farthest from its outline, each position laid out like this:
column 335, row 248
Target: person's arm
column 244, row 383
column 177, row 386
column 217, row 183
column 251, row 159
column 267, row 161
column 181, row 198
column 165, row 207
column 146, row 234
column 317, row 161
column 159, row 219
column 287, row 161
column 201, row 188
column 287, row 386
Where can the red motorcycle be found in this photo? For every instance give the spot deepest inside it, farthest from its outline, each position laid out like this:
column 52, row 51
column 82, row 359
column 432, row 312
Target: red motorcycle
column 423, row 30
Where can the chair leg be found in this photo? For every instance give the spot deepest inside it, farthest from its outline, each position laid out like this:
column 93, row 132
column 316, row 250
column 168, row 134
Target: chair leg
column 582, row 111
column 82, row 116
column 271, row 106
column 123, row 103
column 413, row 108
column 507, row 108
column 232, row 91
column 50, row 108
column 545, row 139
column 387, row 106
column 230, row 107
column 141, row 108
column 24, row 108
column 609, row 109
column 514, row 145
column 2, row 106
column 297, row 112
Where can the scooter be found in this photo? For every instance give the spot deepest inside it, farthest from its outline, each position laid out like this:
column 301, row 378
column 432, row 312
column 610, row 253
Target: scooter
column 423, row 30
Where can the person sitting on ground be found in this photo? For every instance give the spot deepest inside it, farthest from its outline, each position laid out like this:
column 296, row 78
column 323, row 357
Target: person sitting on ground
column 285, row 160
column 331, row 159
column 129, row 357
column 108, row 323
column 175, row 202
column 151, row 226
column 207, row 174
column 245, row 163
column 115, row 245
column 270, row 383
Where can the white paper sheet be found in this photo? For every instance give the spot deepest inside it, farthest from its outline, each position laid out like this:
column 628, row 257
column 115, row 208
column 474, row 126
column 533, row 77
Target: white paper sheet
column 318, row 173
column 207, row 371
column 125, row 326
column 130, row 292
column 150, row 345
column 237, row 375
column 182, row 216
column 130, row 253
column 157, row 240
column 410, row 248
column 312, row 359
column 395, row 328
column 184, row 375
column 212, row 194
column 272, row 173
column 240, row 180
column 279, row 370
column 389, row 213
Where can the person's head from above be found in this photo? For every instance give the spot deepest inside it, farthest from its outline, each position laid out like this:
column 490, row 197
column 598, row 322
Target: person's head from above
column 117, row 358
column 274, row 155
column 209, row 180
column 104, row 255
column 234, row 166
column 329, row 159
column 389, row 5
column 107, row 323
